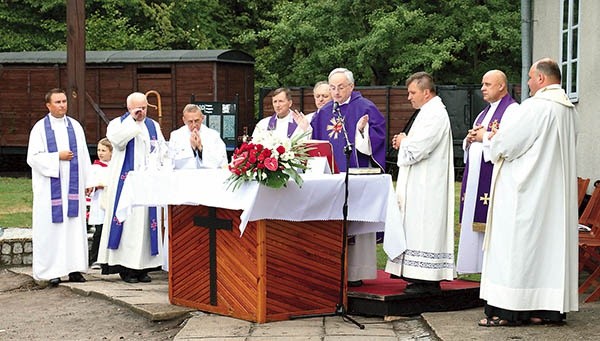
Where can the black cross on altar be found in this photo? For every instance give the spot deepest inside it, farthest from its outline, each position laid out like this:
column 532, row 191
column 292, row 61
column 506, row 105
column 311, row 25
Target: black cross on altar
column 212, row 223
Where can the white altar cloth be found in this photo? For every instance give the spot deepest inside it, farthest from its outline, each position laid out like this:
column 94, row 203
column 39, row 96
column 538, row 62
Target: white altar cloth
column 372, row 204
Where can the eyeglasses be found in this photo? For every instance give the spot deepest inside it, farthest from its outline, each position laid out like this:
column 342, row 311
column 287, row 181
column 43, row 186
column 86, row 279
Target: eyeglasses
column 338, row 88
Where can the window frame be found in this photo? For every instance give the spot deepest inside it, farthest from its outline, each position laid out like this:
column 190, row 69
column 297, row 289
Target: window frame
column 571, row 47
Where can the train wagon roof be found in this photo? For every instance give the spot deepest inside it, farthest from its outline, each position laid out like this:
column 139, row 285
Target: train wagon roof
column 131, row 56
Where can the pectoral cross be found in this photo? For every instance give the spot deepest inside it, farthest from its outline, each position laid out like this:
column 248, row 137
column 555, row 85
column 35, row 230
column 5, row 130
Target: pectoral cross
column 212, row 223
column 485, row 198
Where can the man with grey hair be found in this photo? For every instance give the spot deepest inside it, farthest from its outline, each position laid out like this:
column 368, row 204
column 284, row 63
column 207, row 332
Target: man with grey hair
column 322, row 95
column 194, row 145
column 130, row 248
column 365, row 126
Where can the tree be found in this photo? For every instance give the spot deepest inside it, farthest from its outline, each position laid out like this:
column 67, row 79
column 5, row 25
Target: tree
column 383, row 42
column 295, row 42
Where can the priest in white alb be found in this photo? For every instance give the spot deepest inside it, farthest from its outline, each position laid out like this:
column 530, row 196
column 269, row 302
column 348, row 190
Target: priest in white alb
column 475, row 189
column 131, row 245
column 530, row 264
column 425, row 190
column 285, row 122
column 60, row 164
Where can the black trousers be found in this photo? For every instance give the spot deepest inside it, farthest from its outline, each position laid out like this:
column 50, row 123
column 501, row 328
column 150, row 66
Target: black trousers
column 93, row 255
column 523, row 316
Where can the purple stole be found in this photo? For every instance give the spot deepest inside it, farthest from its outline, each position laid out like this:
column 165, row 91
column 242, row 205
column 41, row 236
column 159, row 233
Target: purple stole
column 485, row 171
column 55, row 187
column 116, row 227
column 291, row 125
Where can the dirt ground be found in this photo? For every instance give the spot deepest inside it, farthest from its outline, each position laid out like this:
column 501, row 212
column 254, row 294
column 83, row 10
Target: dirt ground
column 29, row 312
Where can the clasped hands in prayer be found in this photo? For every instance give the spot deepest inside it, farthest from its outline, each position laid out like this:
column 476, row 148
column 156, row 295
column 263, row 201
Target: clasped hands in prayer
column 397, row 140
column 195, row 140
column 476, row 134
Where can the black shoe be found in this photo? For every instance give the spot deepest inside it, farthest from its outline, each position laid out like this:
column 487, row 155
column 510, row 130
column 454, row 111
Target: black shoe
column 126, row 277
column 354, row 284
column 144, row 278
column 54, row 282
column 423, row 288
column 76, row 277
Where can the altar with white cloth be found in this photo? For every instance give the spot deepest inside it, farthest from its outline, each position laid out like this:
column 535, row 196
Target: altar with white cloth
column 258, row 253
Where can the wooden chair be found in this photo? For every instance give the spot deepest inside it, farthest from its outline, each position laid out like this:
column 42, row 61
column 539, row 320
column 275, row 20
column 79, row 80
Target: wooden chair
column 582, row 186
column 590, row 250
column 589, row 247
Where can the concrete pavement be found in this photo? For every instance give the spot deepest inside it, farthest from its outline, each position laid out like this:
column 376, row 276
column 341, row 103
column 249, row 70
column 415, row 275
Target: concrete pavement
column 151, row 301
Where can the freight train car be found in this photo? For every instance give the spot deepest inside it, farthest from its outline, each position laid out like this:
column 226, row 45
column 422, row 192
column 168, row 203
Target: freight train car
column 171, row 78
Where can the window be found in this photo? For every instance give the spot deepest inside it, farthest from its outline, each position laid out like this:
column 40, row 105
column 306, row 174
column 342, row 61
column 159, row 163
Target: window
column 570, row 47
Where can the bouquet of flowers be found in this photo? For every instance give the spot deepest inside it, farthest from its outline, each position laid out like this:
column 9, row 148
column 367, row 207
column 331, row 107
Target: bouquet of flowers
column 269, row 160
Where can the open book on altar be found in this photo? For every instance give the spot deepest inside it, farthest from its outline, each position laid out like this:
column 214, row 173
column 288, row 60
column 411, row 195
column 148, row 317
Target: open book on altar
column 322, row 149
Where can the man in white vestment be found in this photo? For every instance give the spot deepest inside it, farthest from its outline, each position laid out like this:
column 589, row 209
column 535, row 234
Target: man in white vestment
column 132, row 247
column 425, row 190
column 195, row 145
column 475, row 189
column 285, row 122
column 322, row 95
column 529, row 273
column 60, row 163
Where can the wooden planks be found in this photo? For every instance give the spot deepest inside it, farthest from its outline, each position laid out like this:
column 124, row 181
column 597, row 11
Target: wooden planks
column 276, row 270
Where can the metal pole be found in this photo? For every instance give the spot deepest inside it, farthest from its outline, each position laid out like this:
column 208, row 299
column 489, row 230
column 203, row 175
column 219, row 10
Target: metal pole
column 526, row 47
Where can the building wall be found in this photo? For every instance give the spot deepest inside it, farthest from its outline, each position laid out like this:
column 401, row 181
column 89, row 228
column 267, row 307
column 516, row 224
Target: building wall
column 546, row 39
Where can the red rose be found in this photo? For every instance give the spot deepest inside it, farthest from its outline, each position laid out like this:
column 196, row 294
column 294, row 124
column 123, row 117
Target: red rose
column 281, row 149
column 271, row 163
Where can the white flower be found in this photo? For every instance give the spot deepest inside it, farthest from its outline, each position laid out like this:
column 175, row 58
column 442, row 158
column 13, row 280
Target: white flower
column 288, row 155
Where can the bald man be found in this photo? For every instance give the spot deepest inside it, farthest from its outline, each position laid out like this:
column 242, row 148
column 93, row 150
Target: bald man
column 475, row 189
column 529, row 273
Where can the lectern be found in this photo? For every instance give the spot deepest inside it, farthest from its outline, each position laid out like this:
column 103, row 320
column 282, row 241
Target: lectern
column 276, row 270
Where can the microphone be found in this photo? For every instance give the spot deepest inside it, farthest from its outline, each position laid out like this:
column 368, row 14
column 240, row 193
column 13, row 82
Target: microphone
column 336, row 108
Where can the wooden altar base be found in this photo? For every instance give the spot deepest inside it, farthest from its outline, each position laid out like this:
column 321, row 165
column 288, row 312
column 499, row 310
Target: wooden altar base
column 275, row 271
column 385, row 297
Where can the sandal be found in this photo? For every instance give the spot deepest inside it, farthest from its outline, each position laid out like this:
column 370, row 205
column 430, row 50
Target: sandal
column 497, row 322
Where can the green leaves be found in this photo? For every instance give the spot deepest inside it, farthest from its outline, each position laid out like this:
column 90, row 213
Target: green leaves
column 298, row 42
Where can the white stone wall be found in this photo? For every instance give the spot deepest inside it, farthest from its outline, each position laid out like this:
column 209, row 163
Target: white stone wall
column 546, row 39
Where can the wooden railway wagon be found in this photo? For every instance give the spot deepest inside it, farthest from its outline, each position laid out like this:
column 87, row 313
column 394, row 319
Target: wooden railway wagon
column 463, row 102
column 171, row 78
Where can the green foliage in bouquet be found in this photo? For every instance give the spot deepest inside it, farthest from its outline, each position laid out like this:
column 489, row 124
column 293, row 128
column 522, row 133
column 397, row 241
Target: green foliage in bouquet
column 270, row 160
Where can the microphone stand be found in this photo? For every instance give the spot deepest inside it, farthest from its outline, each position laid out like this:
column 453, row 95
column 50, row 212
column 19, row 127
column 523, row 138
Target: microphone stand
column 340, row 310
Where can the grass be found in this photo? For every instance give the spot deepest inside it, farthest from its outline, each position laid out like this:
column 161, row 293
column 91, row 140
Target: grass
column 16, row 198
column 15, row 202
column 382, row 257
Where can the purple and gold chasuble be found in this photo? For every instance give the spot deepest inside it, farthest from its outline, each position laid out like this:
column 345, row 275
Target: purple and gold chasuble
column 327, row 126
column 486, row 168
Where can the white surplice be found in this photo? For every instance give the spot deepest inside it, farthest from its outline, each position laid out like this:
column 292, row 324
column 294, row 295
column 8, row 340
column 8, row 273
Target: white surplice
column 531, row 243
column 214, row 154
column 58, row 248
column 281, row 126
column 470, row 245
column 425, row 190
column 134, row 248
